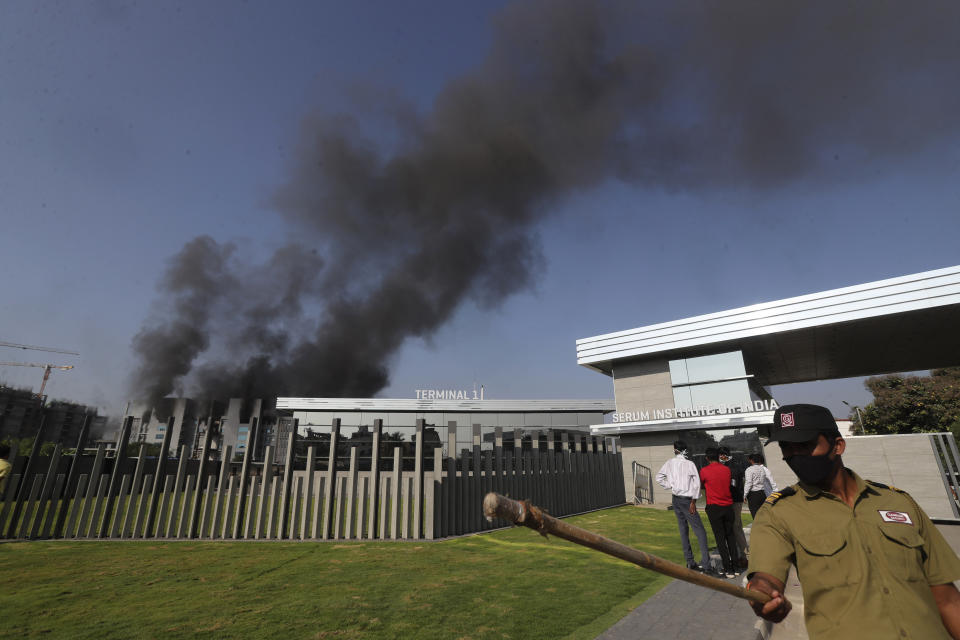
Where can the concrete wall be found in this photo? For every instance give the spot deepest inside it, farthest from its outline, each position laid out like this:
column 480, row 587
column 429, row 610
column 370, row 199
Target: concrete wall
column 905, row 461
column 643, row 386
column 651, row 450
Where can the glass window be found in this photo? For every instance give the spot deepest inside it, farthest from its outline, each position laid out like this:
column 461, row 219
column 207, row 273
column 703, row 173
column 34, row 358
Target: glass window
column 731, row 392
column 678, row 372
column 715, row 367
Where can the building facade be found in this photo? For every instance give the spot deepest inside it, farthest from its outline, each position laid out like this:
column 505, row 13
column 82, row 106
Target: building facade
column 22, row 412
column 707, row 379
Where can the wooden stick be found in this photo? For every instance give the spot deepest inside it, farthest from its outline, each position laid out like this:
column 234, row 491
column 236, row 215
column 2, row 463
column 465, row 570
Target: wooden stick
column 525, row 514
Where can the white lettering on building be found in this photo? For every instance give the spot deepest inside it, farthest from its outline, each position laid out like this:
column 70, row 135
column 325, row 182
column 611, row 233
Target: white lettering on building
column 449, row 394
column 701, row 411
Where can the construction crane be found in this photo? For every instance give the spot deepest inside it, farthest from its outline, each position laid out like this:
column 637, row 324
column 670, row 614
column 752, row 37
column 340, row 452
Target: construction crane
column 14, row 345
column 46, row 370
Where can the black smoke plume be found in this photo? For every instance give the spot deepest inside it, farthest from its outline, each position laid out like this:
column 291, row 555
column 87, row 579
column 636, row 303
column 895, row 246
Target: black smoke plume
column 442, row 205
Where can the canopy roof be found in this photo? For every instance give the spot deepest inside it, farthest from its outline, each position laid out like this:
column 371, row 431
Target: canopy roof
column 901, row 324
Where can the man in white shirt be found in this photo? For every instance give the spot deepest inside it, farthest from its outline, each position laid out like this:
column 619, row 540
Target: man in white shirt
column 758, row 483
column 680, row 476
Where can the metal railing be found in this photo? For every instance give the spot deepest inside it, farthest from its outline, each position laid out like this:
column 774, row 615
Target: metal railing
column 642, row 484
column 948, row 459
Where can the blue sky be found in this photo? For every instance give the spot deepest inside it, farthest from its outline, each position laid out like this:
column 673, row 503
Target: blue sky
column 130, row 128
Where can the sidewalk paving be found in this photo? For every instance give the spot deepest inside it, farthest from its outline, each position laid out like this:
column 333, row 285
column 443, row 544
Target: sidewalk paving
column 682, row 610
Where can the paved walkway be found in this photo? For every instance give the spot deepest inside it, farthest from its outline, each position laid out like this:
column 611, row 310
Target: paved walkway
column 682, row 610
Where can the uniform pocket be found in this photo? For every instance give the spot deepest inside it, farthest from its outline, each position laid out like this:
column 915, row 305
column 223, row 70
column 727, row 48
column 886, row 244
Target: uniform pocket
column 903, row 550
column 827, row 569
column 821, row 558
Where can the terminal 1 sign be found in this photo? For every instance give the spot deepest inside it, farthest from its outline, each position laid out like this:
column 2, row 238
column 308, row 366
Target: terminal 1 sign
column 449, row 394
column 696, row 412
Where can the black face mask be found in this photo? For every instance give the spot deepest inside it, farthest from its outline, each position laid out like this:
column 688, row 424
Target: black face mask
column 811, row 469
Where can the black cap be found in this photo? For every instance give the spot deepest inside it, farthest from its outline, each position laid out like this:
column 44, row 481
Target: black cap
column 801, row 423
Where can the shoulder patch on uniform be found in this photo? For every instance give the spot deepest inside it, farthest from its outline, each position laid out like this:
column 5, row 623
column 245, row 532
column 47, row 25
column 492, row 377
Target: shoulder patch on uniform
column 777, row 495
column 884, row 486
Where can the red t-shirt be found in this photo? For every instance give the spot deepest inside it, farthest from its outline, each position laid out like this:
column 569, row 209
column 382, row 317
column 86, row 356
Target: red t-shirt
column 716, row 483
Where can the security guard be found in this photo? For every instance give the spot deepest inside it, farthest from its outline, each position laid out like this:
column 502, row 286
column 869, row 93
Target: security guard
column 871, row 563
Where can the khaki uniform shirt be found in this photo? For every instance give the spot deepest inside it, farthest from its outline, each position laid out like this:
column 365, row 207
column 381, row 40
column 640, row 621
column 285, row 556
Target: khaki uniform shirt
column 865, row 572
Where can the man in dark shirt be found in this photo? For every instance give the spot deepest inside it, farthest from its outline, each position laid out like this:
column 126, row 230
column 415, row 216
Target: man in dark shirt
column 716, row 484
column 736, row 494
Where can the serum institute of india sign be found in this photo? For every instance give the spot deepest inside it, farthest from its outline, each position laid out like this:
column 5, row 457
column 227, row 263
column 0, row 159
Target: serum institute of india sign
column 695, row 412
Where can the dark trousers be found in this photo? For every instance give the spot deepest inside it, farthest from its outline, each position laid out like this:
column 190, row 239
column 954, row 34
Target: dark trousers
column 685, row 522
column 721, row 521
column 755, row 501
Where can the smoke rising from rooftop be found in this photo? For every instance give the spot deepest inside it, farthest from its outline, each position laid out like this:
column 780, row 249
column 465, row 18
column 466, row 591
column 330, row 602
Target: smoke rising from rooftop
column 682, row 96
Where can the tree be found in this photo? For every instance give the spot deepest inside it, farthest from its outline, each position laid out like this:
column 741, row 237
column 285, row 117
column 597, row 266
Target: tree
column 913, row 404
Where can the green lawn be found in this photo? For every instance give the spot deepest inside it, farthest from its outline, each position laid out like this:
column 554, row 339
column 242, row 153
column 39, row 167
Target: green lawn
column 504, row 584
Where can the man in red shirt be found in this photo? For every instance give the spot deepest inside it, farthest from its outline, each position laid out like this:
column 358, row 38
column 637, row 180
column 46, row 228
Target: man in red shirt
column 715, row 478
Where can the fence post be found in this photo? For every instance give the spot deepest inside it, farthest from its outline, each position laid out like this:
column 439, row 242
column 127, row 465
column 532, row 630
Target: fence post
column 112, row 502
column 46, row 492
column 451, row 490
column 25, row 477
column 179, row 492
column 395, row 491
column 248, row 454
column 549, row 471
column 476, row 493
column 350, row 506
column 308, row 491
column 71, row 525
column 283, row 529
column 221, row 487
column 433, row 531
column 328, row 493
column 159, row 477
column 52, row 513
column 374, row 479
column 71, row 474
column 417, row 514
column 266, row 474
column 202, row 469
column 93, row 482
column 135, row 489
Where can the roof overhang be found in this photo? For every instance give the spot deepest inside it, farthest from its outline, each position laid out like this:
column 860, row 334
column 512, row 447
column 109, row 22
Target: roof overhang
column 466, row 406
column 901, row 324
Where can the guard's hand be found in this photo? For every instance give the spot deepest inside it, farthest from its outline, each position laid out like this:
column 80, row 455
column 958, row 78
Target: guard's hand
column 778, row 607
column 693, row 506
